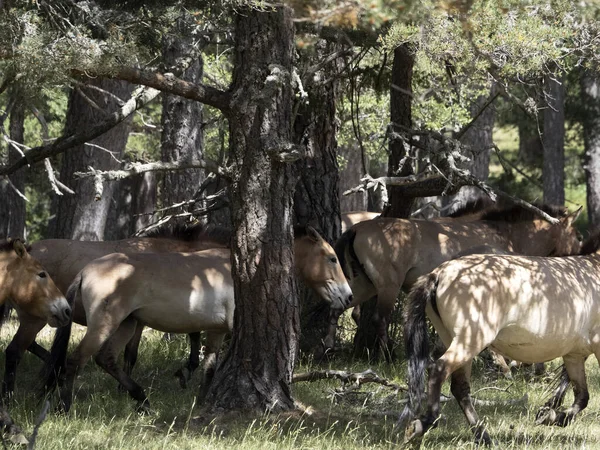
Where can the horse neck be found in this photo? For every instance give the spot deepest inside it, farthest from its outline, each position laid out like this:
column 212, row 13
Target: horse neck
column 534, row 238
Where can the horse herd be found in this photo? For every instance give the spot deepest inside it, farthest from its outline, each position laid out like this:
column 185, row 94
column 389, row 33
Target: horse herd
column 498, row 278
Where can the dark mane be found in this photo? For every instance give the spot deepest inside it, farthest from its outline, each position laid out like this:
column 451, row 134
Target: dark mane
column 6, row 245
column 591, row 244
column 517, row 213
column 192, row 233
column 345, row 240
column 472, row 207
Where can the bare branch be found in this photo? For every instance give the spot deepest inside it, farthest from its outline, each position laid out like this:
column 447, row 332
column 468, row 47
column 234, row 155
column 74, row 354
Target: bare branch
column 356, row 378
column 140, row 97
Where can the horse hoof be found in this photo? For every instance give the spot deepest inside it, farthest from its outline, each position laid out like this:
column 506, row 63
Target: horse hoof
column 562, row 419
column 483, row 438
column 545, row 416
column 414, row 432
column 183, row 375
column 144, row 409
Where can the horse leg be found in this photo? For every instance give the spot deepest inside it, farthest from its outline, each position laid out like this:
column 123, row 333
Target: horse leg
column 23, row 338
column 214, row 340
column 557, row 398
column 461, row 389
column 386, row 300
column 98, row 332
column 453, row 359
column 500, row 362
column 356, row 315
column 107, row 358
column 575, row 367
column 329, row 341
column 132, row 348
column 185, row 373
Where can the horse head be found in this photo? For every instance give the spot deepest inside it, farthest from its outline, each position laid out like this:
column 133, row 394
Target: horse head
column 29, row 287
column 568, row 239
column 318, row 266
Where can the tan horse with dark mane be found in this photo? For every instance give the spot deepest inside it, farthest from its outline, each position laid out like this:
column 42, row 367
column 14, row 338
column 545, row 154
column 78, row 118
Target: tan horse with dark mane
column 26, row 285
column 531, row 309
column 64, row 258
column 172, row 292
column 381, row 256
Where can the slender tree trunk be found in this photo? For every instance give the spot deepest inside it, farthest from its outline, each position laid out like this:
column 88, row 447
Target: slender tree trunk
column 349, row 178
column 399, row 164
column 316, row 200
column 590, row 93
column 12, row 206
column 256, row 372
column 554, row 142
column 480, row 138
column 82, row 216
column 182, row 135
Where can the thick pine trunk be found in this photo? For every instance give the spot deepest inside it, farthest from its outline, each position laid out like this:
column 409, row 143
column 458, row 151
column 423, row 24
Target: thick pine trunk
column 257, row 369
column 12, row 206
column 400, row 114
column 554, row 142
column 182, row 136
column 590, row 92
column 82, row 216
column 365, row 340
column 316, row 200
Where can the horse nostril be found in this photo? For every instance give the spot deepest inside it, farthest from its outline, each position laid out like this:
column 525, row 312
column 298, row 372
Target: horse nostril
column 67, row 312
column 349, row 300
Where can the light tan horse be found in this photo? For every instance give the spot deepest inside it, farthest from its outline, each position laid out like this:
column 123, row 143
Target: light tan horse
column 172, row 292
column 64, row 258
column 30, row 290
column 352, row 217
column 381, row 256
column 531, row 309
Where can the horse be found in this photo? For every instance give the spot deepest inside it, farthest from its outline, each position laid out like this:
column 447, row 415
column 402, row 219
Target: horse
column 64, row 258
column 171, row 292
column 381, row 256
column 352, row 217
column 531, row 309
column 26, row 285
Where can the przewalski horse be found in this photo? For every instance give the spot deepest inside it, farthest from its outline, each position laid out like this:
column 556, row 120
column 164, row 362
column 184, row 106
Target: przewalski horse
column 531, row 309
column 64, row 258
column 171, row 292
column 381, row 256
column 26, row 285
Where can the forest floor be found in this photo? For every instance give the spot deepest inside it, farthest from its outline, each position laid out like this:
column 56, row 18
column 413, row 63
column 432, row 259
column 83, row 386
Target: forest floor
column 102, row 418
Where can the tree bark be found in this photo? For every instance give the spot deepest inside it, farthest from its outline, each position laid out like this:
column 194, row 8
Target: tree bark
column 12, row 206
column 82, row 216
column 480, row 138
column 316, row 200
column 257, row 370
column 554, row 142
column 399, row 162
column 590, row 93
column 182, row 136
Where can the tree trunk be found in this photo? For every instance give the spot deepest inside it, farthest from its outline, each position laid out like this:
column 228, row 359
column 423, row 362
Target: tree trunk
column 257, row 370
column 554, row 142
column 182, row 135
column 365, row 340
column 350, row 176
column 590, row 93
column 82, row 216
column 316, row 200
column 400, row 114
column 12, row 206
column 480, row 138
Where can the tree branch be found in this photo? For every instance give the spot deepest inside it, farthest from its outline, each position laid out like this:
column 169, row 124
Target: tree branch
column 356, row 378
column 168, row 82
column 140, row 97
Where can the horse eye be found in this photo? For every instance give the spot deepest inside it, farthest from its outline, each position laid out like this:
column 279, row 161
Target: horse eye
column 42, row 275
column 333, row 260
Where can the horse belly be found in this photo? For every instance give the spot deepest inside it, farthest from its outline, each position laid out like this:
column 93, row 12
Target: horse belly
column 522, row 345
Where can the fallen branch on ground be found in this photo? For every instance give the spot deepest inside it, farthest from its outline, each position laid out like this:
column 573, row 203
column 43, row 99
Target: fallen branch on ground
column 356, row 378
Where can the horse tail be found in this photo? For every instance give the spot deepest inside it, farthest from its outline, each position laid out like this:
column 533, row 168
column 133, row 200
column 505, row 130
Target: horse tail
column 57, row 359
column 416, row 341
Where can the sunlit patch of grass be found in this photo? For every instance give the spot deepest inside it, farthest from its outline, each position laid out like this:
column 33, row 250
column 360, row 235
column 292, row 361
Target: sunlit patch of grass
column 103, row 418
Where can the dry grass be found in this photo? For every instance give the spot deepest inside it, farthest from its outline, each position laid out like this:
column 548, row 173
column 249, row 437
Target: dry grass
column 104, row 418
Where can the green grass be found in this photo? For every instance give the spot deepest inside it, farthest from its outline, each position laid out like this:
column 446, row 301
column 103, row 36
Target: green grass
column 103, row 418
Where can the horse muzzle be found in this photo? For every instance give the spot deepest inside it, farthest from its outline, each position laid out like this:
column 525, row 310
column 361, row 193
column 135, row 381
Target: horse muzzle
column 60, row 313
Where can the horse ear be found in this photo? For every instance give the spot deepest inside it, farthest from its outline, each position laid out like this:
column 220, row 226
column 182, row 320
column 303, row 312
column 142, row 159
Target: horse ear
column 571, row 218
column 19, row 248
column 313, row 234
